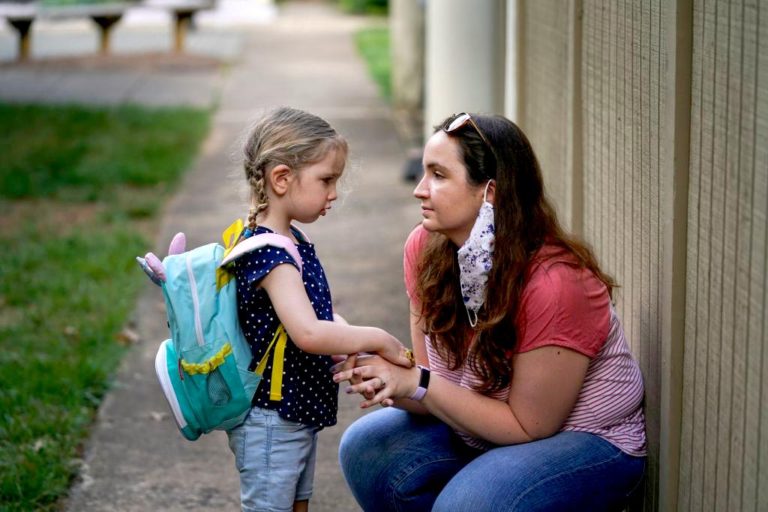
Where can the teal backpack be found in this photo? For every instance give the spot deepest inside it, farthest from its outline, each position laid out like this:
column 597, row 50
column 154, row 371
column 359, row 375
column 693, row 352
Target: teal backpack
column 203, row 367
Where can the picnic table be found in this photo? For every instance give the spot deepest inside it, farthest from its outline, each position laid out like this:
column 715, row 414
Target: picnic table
column 21, row 14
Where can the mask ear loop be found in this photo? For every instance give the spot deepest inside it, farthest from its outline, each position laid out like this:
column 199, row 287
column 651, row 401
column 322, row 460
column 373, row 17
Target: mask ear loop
column 470, row 314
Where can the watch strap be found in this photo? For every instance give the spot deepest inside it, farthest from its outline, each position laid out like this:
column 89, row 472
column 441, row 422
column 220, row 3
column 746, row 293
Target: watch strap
column 418, row 395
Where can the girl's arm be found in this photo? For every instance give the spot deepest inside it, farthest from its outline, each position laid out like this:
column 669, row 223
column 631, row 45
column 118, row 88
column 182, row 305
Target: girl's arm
column 545, row 385
column 286, row 292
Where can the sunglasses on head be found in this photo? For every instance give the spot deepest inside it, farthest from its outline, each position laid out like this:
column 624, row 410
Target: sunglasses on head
column 462, row 120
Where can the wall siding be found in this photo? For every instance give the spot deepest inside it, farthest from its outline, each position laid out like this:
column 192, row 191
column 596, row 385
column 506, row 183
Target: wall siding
column 724, row 451
column 623, row 82
column 545, row 85
column 666, row 103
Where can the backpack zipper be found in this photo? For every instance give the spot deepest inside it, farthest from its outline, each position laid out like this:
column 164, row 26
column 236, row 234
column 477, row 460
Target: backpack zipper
column 195, row 303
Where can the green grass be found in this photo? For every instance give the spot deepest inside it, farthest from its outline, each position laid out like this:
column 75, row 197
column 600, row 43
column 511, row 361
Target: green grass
column 50, row 152
column 79, row 189
column 372, row 7
column 373, row 45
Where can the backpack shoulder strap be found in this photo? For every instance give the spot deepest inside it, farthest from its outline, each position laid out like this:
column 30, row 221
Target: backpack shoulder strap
column 258, row 241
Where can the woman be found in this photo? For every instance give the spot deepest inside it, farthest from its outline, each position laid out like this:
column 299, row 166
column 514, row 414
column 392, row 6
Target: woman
column 527, row 396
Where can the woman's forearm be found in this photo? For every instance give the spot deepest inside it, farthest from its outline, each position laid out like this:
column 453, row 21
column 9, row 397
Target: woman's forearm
column 475, row 414
column 461, row 408
column 411, row 406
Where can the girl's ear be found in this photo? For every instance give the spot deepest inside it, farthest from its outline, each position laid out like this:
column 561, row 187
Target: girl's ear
column 280, row 178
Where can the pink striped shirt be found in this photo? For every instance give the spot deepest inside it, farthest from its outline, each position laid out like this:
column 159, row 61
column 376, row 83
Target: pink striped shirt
column 565, row 306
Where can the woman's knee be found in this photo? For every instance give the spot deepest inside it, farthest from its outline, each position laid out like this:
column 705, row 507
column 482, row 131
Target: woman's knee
column 395, row 460
column 365, row 455
column 366, row 443
column 368, row 434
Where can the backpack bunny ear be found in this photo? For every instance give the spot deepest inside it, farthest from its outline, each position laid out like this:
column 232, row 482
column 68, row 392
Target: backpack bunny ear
column 154, row 263
column 147, row 270
column 178, row 244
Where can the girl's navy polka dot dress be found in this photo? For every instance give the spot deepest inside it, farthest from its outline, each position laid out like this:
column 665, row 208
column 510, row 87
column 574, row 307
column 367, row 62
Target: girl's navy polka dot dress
column 309, row 394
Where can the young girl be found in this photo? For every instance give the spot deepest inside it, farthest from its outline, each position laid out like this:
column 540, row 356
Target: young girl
column 293, row 161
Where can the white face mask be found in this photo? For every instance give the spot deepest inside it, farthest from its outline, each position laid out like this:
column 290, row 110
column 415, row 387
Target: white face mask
column 475, row 259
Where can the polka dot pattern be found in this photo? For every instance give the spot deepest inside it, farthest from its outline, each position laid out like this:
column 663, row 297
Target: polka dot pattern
column 309, row 394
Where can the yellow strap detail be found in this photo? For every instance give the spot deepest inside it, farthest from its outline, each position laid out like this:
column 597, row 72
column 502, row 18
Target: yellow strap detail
column 231, row 234
column 280, row 337
column 210, row 365
column 263, row 363
column 222, row 278
column 229, row 237
column 276, row 384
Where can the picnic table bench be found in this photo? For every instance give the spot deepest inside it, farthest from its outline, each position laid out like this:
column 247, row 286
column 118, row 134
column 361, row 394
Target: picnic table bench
column 20, row 14
column 182, row 10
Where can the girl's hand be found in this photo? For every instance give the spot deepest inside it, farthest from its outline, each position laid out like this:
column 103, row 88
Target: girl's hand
column 397, row 353
column 380, row 378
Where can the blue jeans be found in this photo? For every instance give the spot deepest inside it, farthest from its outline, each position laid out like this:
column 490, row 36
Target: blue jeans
column 396, row 461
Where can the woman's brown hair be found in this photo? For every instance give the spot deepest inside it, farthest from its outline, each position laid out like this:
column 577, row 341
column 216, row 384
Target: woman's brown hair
column 524, row 221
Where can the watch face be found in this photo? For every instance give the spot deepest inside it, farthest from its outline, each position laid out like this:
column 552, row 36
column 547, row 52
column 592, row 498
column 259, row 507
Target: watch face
column 424, row 378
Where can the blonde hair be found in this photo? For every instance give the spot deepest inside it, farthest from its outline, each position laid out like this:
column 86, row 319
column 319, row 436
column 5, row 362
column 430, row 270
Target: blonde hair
column 285, row 136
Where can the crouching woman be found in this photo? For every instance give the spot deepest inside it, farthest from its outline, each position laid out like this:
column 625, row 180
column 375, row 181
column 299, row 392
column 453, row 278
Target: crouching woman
column 527, row 396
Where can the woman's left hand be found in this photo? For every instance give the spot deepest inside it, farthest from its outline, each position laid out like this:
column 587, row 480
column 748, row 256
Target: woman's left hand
column 381, row 379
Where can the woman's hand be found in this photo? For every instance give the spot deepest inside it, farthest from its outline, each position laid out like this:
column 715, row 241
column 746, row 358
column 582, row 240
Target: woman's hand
column 348, row 363
column 382, row 381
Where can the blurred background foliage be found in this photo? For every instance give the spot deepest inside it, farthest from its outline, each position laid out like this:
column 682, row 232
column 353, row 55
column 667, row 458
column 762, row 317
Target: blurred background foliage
column 80, row 193
column 374, row 7
column 373, row 45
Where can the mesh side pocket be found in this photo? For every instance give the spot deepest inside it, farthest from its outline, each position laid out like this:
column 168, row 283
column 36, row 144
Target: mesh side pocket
column 218, row 391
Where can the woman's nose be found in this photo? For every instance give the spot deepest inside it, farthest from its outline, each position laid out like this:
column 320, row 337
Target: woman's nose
column 421, row 189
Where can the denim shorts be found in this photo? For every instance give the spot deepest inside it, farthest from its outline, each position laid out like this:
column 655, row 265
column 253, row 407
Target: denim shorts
column 276, row 461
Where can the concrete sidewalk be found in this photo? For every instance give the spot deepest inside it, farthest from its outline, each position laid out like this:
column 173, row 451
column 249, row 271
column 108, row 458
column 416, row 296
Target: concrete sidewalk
column 135, row 459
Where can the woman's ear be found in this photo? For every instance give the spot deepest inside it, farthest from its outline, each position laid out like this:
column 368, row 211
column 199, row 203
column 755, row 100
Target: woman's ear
column 280, row 178
column 490, row 194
